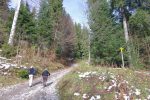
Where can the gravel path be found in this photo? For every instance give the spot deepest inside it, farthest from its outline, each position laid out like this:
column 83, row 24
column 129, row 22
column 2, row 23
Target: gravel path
column 37, row 91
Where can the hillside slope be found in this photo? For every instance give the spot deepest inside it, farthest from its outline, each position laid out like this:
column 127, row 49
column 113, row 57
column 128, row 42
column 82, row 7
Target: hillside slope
column 103, row 83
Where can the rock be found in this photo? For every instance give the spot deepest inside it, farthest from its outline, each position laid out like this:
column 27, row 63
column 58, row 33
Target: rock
column 76, row 94
column 98, row 97
column 137, row 92
column 6, row 65
column 3, row 58
column 85, row 96
column 1, row 67
column 148, row 97
column 19, row 56
column 92, row 98
column 17, row 67
column 23, row 67
column 5, row 73
column 13, row 65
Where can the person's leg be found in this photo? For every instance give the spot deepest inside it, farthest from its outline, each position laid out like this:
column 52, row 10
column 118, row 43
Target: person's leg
column 44, row 80
column 30, row 80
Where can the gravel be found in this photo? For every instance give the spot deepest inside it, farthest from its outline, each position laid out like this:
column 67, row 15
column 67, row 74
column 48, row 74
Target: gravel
column 37, row 91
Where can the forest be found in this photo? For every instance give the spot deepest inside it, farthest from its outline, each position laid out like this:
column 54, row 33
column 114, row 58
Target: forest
column 120, row 23
column 50, row 33
column 106, row 59
column 47, row 33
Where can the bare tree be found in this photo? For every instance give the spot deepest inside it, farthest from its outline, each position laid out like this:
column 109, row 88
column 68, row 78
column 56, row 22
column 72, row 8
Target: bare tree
column 12, row 33
column 89, row 48
column 126, row 33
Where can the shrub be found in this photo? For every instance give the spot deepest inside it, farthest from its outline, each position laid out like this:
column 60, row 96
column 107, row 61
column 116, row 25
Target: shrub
column 23, row 74
column 8, row 51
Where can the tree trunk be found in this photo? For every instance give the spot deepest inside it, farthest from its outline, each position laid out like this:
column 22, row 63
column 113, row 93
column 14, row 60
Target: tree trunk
column 89, row 49
column 125, row 26
column 12, row 33
column 122, row 57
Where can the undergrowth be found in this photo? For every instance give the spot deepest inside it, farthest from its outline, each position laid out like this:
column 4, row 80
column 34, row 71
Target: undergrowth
column 86, row 82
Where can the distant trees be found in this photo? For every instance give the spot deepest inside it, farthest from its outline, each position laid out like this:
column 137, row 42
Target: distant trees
column 51, row 28
column 3, row 19
column 139, row 25
column 108, row 20
column 81, row 41
column 57, row 30
column 107, row 36
column 25, row 27
column 128, row 11
column 113, row 24
column 66, row 37
column 39, row 30
column 48, row 21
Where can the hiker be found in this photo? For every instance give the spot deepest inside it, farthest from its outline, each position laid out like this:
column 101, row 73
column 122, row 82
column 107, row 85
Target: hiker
column 45, row 75
column 31, row 74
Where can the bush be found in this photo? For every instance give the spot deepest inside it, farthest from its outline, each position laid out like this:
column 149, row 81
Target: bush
column 8, row 51
column 23, row 74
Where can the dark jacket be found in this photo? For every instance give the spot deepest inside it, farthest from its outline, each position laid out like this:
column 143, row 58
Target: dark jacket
column 45, row 73
column 31, row 71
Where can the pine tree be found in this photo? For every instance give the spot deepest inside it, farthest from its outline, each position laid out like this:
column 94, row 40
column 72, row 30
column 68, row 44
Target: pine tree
column 128, row 15
column 3, row 19
column 106, row 35
column 81, row 48
column 48, row 21
column 128, row 11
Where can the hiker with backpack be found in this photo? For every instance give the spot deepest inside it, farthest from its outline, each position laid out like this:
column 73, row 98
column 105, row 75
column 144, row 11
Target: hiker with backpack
column 45, row 75
column 31, row 75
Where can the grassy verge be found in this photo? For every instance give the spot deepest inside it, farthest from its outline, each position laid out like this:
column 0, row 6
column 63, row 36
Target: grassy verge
column 10, row 80
column 89, row 82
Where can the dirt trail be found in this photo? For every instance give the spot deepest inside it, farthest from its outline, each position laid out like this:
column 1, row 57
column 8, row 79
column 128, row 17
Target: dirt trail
column 37, row 91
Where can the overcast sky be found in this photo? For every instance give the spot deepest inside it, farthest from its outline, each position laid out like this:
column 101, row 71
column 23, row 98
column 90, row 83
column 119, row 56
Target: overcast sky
column 76, row 9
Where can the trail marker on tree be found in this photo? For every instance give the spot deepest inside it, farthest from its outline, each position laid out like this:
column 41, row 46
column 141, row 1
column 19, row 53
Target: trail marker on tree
column 121, row 51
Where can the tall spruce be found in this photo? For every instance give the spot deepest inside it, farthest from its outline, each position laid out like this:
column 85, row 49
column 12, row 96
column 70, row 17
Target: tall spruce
column 26, row 25
column 48, row 21
column 3, row 20
column 106, row 35
column 81, row 41
column 129, row 16
column 128, row 10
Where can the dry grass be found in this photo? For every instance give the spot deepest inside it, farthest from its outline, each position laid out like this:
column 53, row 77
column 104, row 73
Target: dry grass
column 31, row 57
column 9, row 80
column 126, row 81
column 39, row 59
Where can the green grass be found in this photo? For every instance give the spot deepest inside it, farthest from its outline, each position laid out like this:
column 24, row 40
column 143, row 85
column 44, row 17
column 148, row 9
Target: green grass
column 92, row 86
